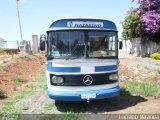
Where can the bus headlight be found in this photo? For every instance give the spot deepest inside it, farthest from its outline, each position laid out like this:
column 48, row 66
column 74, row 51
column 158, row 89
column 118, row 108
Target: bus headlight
column 113, row 77
column 57, row 80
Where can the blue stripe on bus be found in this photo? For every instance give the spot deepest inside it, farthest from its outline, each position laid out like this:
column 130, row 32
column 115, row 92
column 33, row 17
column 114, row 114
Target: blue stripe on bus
column 62, row 69
column 105, row 68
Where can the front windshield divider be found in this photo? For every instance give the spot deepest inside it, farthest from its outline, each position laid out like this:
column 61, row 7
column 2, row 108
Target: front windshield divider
column 86, row 45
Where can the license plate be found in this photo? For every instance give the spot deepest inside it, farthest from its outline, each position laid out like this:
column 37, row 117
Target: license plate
column 88, row 96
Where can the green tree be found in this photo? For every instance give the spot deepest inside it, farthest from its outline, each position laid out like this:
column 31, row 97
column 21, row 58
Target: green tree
column 149, row 11
column 132, row 26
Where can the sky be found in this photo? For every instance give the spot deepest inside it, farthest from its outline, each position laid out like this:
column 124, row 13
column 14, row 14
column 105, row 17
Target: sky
column 37, row 15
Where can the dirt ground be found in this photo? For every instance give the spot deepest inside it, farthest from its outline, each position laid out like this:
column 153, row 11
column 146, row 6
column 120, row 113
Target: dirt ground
column 131, row 70
column 28, row 66
column 9, row 52
column 19, row 66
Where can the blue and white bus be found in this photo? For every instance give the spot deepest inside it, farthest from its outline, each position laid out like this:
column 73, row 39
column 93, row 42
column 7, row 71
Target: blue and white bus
column 82, row 59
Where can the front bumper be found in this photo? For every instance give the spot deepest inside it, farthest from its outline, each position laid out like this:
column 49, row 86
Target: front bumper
column 76, row 95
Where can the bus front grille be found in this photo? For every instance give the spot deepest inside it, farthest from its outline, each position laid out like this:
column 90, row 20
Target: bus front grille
column 84, row 79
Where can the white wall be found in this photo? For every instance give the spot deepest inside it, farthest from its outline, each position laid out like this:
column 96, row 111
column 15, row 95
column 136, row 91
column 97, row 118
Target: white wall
column 138, row 47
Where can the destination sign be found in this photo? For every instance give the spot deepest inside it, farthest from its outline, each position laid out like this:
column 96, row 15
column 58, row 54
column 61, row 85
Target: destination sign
column 87, row 24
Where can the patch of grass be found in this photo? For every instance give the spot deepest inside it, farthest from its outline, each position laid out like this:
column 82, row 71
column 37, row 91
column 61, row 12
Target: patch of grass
column 2, row 94
column 125, row 92
column 41, row 81
column 18, row 79
column 9, row 109
column 50, row 106
column 4, row 57
column 30, row 90
column 147, row 88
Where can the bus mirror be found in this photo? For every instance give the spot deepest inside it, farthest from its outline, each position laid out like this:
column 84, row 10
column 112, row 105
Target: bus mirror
column 42, row 42
column 120, row 45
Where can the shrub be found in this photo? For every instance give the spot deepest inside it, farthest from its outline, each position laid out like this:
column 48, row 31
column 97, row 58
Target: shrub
column 156, row 56
column 18, row 80
column 2, row 94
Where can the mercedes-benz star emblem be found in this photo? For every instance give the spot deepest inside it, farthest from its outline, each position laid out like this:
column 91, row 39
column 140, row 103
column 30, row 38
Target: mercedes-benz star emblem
column 88, row 80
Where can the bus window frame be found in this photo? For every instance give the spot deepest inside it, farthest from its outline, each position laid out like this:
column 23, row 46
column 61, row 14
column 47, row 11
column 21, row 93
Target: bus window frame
column 85, row 31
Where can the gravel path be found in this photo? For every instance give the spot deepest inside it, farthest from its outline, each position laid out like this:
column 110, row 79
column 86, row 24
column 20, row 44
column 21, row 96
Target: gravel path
column 146, row 62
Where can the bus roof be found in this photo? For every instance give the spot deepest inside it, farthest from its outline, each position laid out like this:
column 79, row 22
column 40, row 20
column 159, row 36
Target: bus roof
column 81, row 23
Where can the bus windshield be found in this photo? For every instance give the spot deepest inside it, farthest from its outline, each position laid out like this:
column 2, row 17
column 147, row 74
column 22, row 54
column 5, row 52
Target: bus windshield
column 102, row 44
column 71, row 44
column 66, row 44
